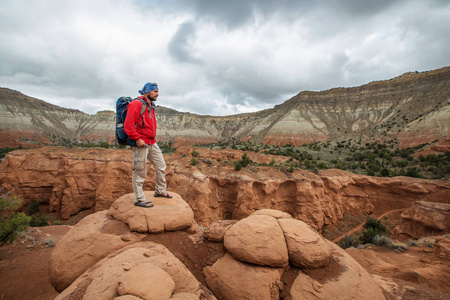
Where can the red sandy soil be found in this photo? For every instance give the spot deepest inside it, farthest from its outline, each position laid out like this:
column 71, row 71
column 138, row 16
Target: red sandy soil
column 24, row 264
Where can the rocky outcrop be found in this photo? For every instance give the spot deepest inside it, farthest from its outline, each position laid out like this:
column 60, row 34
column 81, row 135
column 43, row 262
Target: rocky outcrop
column 71, row 180
column 103, row 258
column 424, row 219
column 84, row 245
column 327, row 271
column 143, row 270
column 167, row 215
column 104, row 232
column 413, row 107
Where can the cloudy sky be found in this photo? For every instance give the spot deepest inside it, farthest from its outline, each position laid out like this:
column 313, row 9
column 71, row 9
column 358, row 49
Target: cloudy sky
column 213, row 57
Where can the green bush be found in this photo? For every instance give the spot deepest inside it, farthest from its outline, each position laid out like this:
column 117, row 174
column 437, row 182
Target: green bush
column 193, row 161
column 238, row 166
column 384, row 172
column 33, row 208
column 104, row 145
column 245, row 160
column 38, row 221
column 195, row 153
column 11, row 221
column 368, row 236
column 373, row 228
column 349, row 241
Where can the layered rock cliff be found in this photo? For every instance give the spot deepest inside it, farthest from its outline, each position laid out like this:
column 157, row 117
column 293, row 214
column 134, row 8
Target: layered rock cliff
column 72, row 180
column 414, row 108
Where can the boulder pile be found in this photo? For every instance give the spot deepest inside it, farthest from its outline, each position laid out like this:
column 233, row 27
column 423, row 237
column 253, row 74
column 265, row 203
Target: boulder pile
column 268, row 243
column 268, row 255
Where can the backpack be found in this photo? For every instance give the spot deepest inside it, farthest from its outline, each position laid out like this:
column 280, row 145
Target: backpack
column 121, row 114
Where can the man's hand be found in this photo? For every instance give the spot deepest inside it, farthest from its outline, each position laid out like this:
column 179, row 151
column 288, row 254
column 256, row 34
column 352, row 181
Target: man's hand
column 140, row 143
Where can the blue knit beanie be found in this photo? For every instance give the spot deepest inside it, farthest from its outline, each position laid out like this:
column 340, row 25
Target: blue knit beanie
column 148, row 87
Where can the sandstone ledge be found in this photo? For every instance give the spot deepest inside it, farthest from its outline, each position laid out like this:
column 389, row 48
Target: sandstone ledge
column 167, row 214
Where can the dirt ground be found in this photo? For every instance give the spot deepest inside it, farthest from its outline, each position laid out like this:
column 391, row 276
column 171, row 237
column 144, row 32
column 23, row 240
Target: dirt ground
column 414, row 274
column 24, row 264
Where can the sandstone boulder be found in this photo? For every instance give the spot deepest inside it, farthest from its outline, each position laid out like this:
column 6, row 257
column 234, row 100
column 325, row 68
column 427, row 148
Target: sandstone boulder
column 231, row 279
column 132, row 269
column 127, row 297
column 85, row 244
column 257, row 239
column 272, row 212
column 167, row 215
column 342, row 278
column 146, row 282
column 306, row 247
column 216, row 231
column 184, row 296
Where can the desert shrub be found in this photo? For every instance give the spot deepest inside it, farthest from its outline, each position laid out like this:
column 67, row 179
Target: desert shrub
column 371, row 222
column 348, row 241
column 245, row 160
column 167, row 147
column 237, row 165
column 368, row 236
column 193, row 161
column 195, row 153
column 413, row 172
column 33, row 208
column 381, row 240
column 11, row 221
column 40, row 221
column 384, row 172
column 104, row 145
column 373, row 228
column 370, row 172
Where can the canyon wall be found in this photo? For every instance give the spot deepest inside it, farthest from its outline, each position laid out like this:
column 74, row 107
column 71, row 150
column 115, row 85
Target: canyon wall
column 72, row 180
column 414, row 108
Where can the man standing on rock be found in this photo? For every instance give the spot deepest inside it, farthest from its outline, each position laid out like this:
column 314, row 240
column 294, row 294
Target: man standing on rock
column 142, row 129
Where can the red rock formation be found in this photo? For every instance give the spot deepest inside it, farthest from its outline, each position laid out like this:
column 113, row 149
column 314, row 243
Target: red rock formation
column 71, row 180
column 424, row 219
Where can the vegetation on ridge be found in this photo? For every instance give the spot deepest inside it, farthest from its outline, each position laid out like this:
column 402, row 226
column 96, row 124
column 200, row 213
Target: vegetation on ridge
column 384, row 159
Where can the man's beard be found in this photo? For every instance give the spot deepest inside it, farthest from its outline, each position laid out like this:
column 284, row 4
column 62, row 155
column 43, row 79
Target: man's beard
column 150, row 98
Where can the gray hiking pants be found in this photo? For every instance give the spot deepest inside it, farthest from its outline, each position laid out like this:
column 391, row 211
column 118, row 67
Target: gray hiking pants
column 140, row 156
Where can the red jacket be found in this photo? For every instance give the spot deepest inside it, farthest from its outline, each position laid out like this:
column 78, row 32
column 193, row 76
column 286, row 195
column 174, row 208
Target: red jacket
column 140, row 127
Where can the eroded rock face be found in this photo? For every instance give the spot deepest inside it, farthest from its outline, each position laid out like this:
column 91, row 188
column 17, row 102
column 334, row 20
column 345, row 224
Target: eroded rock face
column 167, row 214
column 133, row 270
column 70, row 180
column 424, row 219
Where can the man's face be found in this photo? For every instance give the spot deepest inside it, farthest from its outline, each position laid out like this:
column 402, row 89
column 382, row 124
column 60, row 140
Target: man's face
column 152, row 95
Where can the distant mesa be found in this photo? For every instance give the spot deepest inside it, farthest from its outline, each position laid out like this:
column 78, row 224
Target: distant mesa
column 413, row 108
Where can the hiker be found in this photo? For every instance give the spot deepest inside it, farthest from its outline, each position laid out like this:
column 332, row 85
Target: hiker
column 142, row 129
